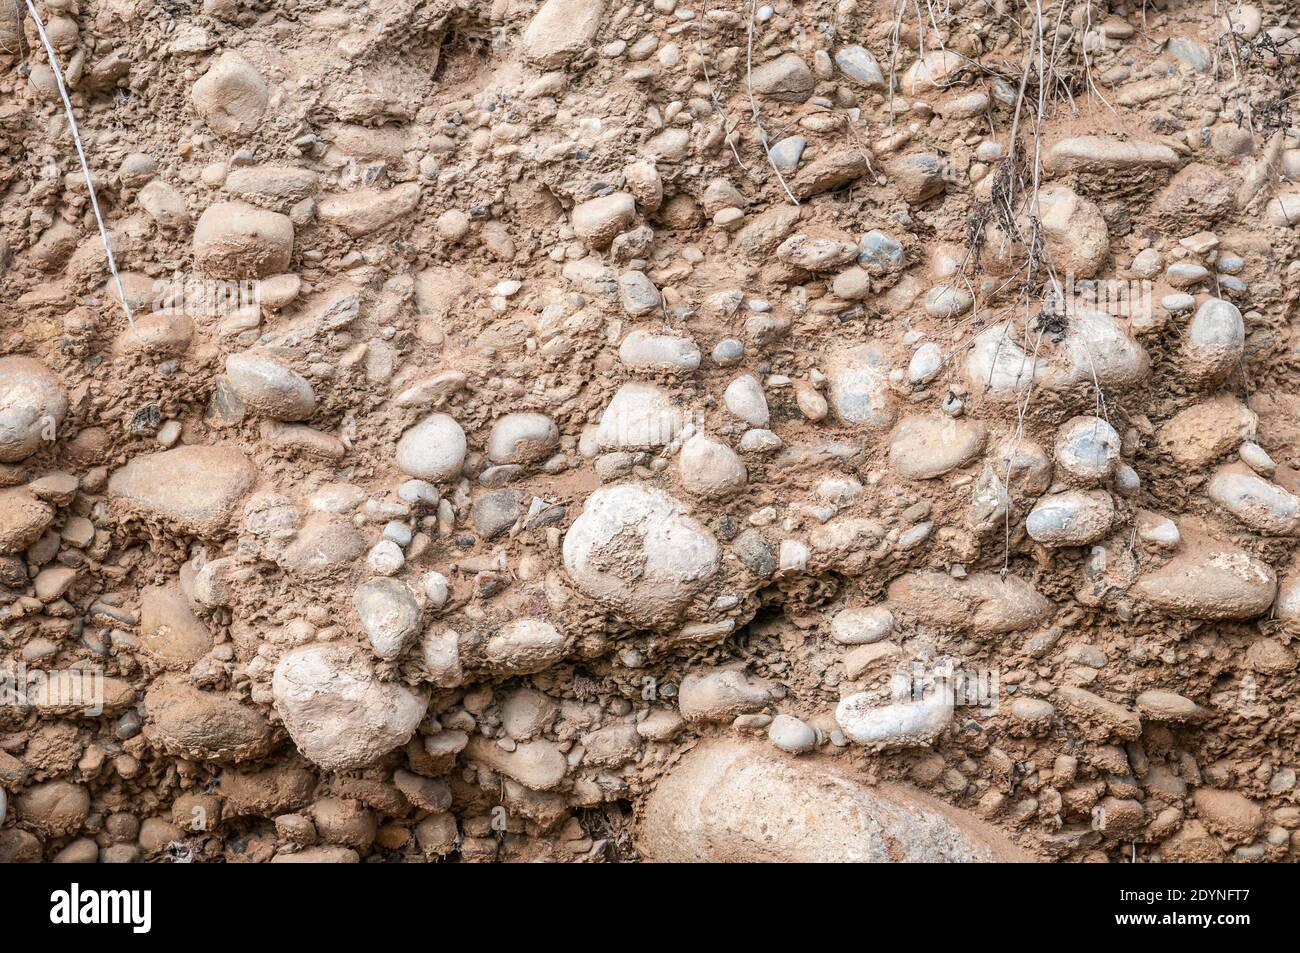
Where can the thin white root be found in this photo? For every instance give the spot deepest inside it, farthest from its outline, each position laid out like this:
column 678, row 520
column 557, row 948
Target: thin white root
column 753, row 102
column 85, row 166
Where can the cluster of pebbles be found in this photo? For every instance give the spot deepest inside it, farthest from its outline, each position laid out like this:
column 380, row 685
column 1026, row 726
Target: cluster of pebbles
column 588, row 430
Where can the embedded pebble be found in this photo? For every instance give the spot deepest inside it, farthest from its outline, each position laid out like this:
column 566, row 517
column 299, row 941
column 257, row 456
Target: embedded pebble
column 635, row 550
column 1215, row 341
column 234, row 240
column 862, row 626
column 558, row 432
column 721, row 695
column 434, row 449
column 744, row 397
column 859, row 387
column 786, row 153
column 1257, row 458
column 338, row 712
column 524, row 646
column 927, row 361
column 644, row 350
column 389, row 615
column 903, row 724
column 231, row 96
column 639, row 416
column 790, row 734
column 1087, row 449
column 710, row 468
column 637, row 294
column 1256, row 501
column 269, row 388
column 859, row 65
column 728, row 801
column 522, row 438
column 205, row 726
column 194, row 488
column 1073, row 518
column 599, row 220
column 923, row 448
column 1209, row 579
column 32, row 406
column 948, row 303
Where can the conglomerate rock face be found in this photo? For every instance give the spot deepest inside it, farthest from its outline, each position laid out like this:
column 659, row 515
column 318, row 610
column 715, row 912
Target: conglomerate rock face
column 584, row 431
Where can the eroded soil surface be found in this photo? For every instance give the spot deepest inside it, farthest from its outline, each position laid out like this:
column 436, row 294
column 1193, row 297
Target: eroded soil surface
column 587, row 431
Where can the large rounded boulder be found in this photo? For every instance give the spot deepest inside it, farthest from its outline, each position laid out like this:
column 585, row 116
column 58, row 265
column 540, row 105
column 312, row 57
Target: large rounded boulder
column 336, row 709
column 32, row 405
column 636, row 551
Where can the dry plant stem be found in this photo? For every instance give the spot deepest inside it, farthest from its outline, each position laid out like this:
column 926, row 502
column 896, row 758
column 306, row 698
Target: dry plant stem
column 1087, row 60
column 893, row 55
column 713, row 91
column 18, row 15
column 753, row 102
column 1021, row 411
column 659, row 503
column 85, row 166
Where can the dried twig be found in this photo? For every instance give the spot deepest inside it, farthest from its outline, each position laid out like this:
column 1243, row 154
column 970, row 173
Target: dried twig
column 753, row 102
column 713, row 91
column 85, row 166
